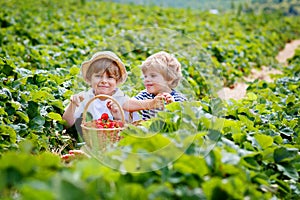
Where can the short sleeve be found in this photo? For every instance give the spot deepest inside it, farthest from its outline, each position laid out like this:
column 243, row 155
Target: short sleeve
column 144, row 95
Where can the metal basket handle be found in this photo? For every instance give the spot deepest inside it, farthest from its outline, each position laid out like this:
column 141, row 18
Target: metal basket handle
column 102, row 97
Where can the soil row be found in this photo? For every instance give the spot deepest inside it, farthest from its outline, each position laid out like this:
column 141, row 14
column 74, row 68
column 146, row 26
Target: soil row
column 265, row 73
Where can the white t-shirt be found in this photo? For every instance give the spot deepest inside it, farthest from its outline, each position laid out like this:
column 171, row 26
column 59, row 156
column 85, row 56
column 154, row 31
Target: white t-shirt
column 97, row 107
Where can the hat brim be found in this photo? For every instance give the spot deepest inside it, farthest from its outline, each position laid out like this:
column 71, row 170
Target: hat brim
column 104, row 54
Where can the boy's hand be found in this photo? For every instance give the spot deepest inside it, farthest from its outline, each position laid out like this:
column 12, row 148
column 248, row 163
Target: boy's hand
column 159, row 101
column 76, row 99
column 114, row 109
column 168, row 97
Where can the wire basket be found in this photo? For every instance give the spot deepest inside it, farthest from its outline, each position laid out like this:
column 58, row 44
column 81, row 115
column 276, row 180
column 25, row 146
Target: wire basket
column 100, row 139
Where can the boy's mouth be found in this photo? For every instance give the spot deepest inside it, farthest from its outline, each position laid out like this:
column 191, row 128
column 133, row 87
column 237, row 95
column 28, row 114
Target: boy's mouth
column 148, row 85
column 103, row 86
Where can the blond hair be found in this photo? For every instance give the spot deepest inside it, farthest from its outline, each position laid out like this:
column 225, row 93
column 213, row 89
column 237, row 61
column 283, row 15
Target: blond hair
column 166, row 64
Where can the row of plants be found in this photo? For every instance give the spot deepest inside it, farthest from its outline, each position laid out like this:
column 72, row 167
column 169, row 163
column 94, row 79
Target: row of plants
column 229, row 150
column 256, row 148
column 286, row 7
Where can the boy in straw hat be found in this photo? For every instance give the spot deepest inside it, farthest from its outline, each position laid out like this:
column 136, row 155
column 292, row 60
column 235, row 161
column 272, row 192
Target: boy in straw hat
column 103, row 72
column 162, row 73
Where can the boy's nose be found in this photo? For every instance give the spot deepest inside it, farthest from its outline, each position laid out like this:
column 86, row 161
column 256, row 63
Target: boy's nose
column 103, row 80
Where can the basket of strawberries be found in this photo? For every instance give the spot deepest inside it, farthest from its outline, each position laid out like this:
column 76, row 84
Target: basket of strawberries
column 102, row 133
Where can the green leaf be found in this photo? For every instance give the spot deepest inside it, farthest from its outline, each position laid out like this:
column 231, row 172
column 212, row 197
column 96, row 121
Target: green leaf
column 290, row 99
column 2, row 111
column 245, row 120
column 57, row 103
column 91, row 168
column 175, row 106
column 264, row 141
column 239, row 138
column 132, row 191
column 74, row 70
column 25, row 165
column 251, row 96
column 7, row 67
column 287, row 131
column 37, row 123
column 250, row 161
column 54, row 116
column 49, row 160
column 212, row 189
column 32, row 109
column 288, row 170
column 38, row 96
column 15, row 105
column 232, row 126
column 37, row 189
column 283, row 154
column 26, row 146
column 188, row 164
column 7, row 130
column 131, row 163
column 73, row 188
column 23, row 116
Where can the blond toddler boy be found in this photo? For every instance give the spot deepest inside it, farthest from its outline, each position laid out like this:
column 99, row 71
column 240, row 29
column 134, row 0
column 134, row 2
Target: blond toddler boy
column 161, row 74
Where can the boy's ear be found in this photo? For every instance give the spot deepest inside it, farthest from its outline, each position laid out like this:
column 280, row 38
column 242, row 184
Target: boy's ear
column 173, row 83
column 88, row 82
column 170, row 82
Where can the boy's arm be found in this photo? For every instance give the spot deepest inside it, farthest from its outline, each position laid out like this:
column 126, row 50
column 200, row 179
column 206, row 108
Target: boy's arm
column 70, row 110
column 69, row 114
column 114, row 109
column 133, row 104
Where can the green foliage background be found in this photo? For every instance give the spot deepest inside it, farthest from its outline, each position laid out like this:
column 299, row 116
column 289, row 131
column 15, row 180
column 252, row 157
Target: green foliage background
column 286, row 7
column 236, row 149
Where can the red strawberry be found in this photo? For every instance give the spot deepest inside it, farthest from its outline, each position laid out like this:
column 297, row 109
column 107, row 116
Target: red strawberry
column 104, row 116
column 119, row 124
column 111, row 124
column 100, row 126
column 67, row 157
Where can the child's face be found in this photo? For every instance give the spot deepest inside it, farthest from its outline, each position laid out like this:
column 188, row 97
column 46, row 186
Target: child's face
column 155, row 82
column 103, row 83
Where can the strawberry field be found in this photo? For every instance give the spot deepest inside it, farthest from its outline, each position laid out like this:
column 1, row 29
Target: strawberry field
column 205, row 148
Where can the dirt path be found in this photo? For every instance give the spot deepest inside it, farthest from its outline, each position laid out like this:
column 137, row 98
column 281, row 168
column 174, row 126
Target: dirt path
column 239, row 90
column 288, row 51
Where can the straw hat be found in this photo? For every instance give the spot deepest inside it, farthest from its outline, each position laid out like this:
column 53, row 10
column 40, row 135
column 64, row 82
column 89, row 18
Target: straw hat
column 104, row 54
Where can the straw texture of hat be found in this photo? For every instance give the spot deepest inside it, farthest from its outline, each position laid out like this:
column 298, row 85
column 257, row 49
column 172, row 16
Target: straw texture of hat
column 104, row 54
